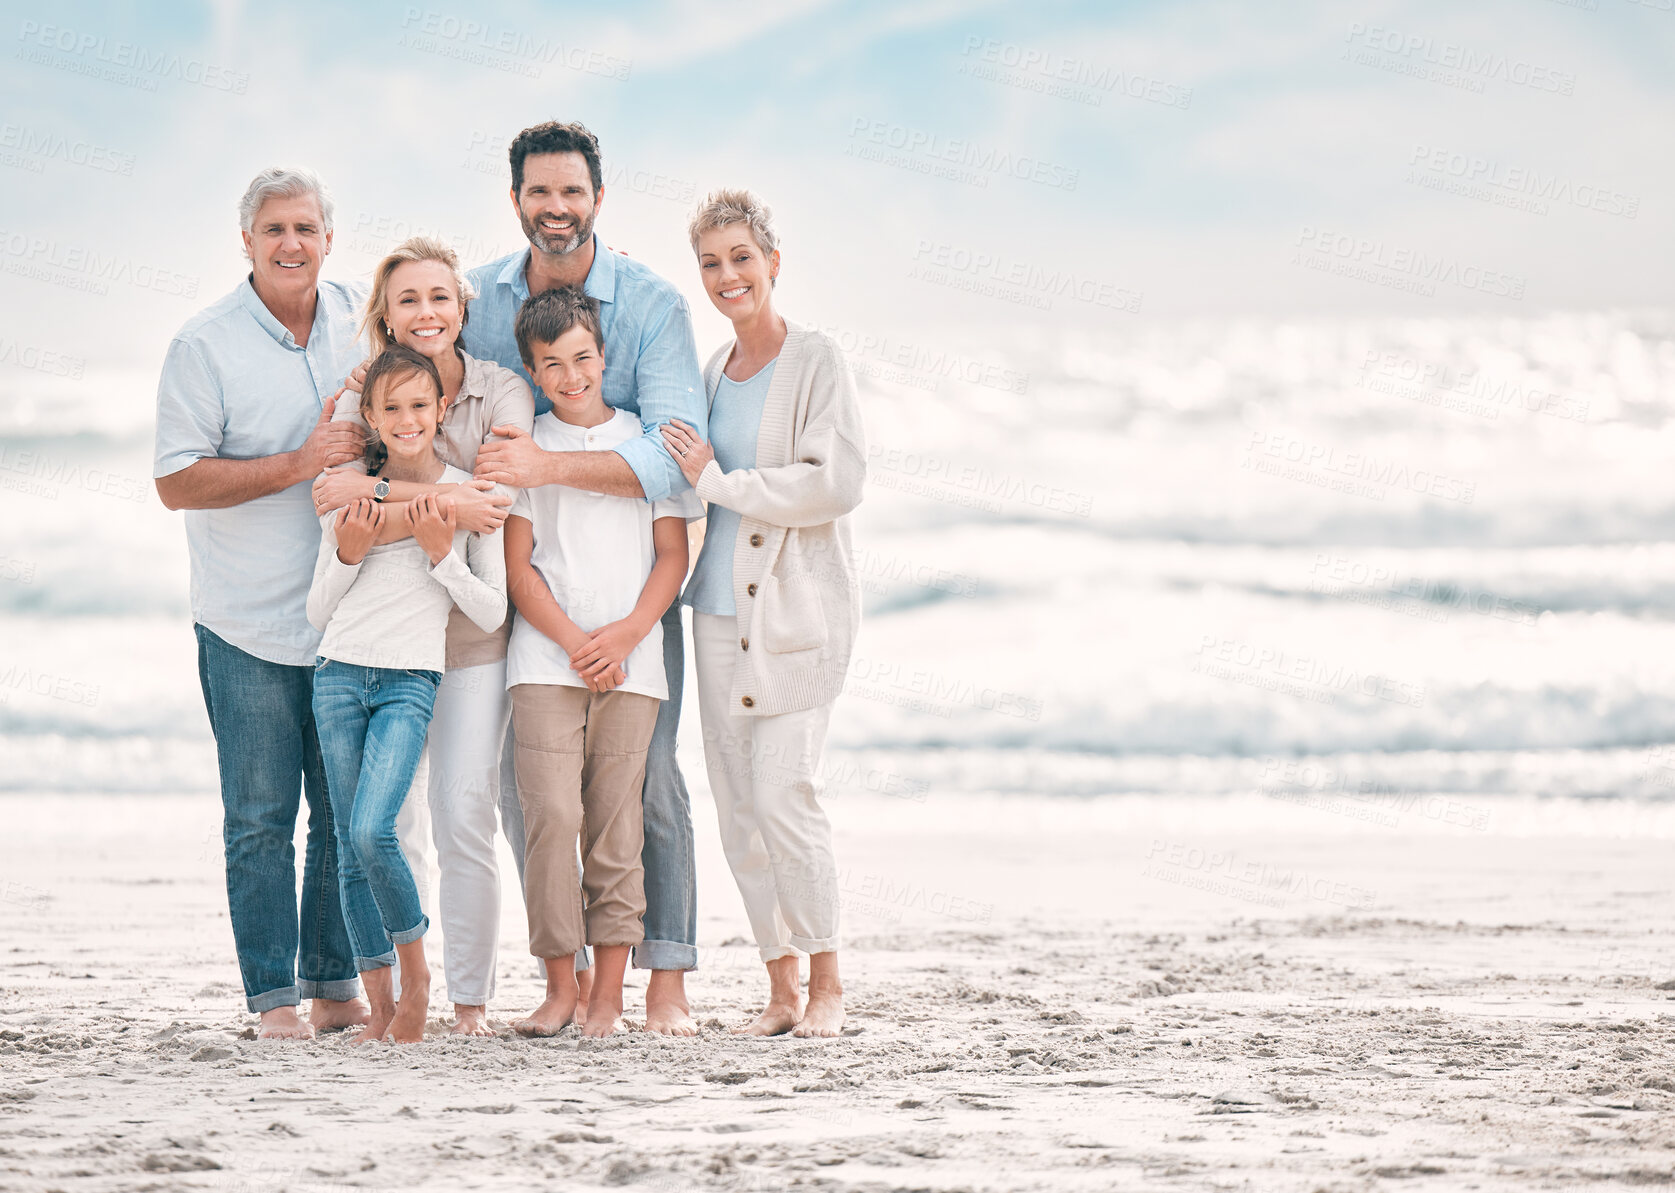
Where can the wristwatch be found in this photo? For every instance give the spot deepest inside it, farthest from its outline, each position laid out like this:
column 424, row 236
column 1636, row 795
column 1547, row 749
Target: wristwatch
column 381, row 490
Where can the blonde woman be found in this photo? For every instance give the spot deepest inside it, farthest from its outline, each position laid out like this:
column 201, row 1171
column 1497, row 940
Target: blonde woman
column 418, row 300
column 774, row 600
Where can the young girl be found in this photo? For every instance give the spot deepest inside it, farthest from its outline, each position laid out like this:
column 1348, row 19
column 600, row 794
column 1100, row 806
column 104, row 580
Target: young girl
column 384, row 610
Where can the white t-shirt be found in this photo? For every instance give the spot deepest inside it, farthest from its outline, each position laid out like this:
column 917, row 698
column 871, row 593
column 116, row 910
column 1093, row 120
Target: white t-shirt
column 391, row 609
column 594, row 551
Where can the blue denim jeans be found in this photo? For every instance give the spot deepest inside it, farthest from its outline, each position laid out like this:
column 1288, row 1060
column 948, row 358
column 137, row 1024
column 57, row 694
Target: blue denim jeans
column 671, row 872
column 263, row 719
column 372, row 723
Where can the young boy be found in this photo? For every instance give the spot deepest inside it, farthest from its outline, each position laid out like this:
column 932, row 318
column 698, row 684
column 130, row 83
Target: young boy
column 590, row 575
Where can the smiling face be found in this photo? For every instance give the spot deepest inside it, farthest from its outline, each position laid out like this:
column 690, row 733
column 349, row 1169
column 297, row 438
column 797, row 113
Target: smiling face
column 405, row 413
column 423, row 308
column 571, row 372
column 735, row 271
column 287, row 243
column 557, row 205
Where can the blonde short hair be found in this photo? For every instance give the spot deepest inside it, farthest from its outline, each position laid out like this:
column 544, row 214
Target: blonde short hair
column 735, row 206
column 417, row 248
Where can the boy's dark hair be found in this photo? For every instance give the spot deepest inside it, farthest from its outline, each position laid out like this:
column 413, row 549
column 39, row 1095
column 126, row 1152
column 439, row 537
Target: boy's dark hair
column 556, row 137
column 547, row 315
column 389, row 366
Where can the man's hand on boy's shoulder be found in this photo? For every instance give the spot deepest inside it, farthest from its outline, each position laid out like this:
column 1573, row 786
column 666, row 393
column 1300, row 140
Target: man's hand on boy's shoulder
column 516, row 460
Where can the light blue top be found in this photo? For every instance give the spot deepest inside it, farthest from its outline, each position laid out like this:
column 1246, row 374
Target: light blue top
column 237, row 386
column 735, row 417
column 651, row 358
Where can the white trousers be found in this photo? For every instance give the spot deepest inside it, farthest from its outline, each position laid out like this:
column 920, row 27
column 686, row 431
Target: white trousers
column 458, row 795
column 763, row 773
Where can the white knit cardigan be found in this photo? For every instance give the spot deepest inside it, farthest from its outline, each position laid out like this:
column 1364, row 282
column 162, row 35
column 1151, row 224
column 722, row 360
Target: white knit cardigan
column 794, row 589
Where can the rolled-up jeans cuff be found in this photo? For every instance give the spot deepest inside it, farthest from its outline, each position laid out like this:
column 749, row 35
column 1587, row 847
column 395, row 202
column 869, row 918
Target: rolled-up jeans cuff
column 409, row 935
column 285, row 996
column 770, row 955
column 665, row 954
column 385, row 962
column 340, row 990
column 808, row 944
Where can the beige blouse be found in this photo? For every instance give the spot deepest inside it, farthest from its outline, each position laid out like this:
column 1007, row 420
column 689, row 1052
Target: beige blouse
column 491, row 396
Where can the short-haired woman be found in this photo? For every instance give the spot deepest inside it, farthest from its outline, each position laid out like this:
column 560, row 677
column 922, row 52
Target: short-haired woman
column 774, row 599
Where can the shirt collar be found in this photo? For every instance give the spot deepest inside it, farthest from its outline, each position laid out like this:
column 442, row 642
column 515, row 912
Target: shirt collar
column 615, row 428
column 264, row 317
column 600, row 282
column 271, row 324
column 512, row 274
column 601, row 278
column 476, row 383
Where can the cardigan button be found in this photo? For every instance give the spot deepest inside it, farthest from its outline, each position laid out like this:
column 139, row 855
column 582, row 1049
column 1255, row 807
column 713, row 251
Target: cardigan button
column 750, row 589
column 744, row 643
column 747, row 702
column 755, row 540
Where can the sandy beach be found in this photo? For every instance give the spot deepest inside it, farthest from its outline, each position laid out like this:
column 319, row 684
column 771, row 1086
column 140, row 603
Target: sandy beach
column 1122, row 993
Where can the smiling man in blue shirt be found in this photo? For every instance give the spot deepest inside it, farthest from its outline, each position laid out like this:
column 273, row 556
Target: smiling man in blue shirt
column 651, row 369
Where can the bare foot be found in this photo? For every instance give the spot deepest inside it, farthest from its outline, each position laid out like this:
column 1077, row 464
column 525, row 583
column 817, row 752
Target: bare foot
column 605, row 1018
column 379, row 983
column 667, row 1011
column 550, row 1017
column 823, row 1016
column 377, row 1026
column 408, row 1026
column 470, row 1021
column 776, row 1019
column 584, row 994
column 605, row 1022
column 329, row 1014
column 283, row 1023
column 604, row 1007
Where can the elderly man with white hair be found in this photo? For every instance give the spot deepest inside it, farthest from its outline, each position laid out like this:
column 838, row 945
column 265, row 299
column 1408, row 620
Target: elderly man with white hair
column 244, row 425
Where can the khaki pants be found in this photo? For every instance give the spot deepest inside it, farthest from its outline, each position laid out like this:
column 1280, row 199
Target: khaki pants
column 581, row 763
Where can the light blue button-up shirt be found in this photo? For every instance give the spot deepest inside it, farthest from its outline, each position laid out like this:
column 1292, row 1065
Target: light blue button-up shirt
column 651, row 358
column 236, row 385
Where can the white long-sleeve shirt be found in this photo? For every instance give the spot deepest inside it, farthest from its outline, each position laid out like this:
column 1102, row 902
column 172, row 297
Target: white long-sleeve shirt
column 391, row 609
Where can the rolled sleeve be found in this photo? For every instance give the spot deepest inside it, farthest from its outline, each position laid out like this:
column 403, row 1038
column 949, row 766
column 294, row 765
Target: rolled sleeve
column 683, row 505
column 190, row 414
column 668, row 385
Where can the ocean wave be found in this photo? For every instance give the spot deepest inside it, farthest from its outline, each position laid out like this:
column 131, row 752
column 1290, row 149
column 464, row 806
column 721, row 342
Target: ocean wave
column 1344, row 782
column 1480, row 717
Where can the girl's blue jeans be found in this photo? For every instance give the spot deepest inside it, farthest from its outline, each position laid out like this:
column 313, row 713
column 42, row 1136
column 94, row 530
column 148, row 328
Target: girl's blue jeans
column 372, row 723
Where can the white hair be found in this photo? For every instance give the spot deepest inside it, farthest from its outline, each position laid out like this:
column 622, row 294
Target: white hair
column 278, row 182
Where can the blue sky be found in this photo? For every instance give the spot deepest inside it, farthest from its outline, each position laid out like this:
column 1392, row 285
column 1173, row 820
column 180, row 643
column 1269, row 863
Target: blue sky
column 1227, row 159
